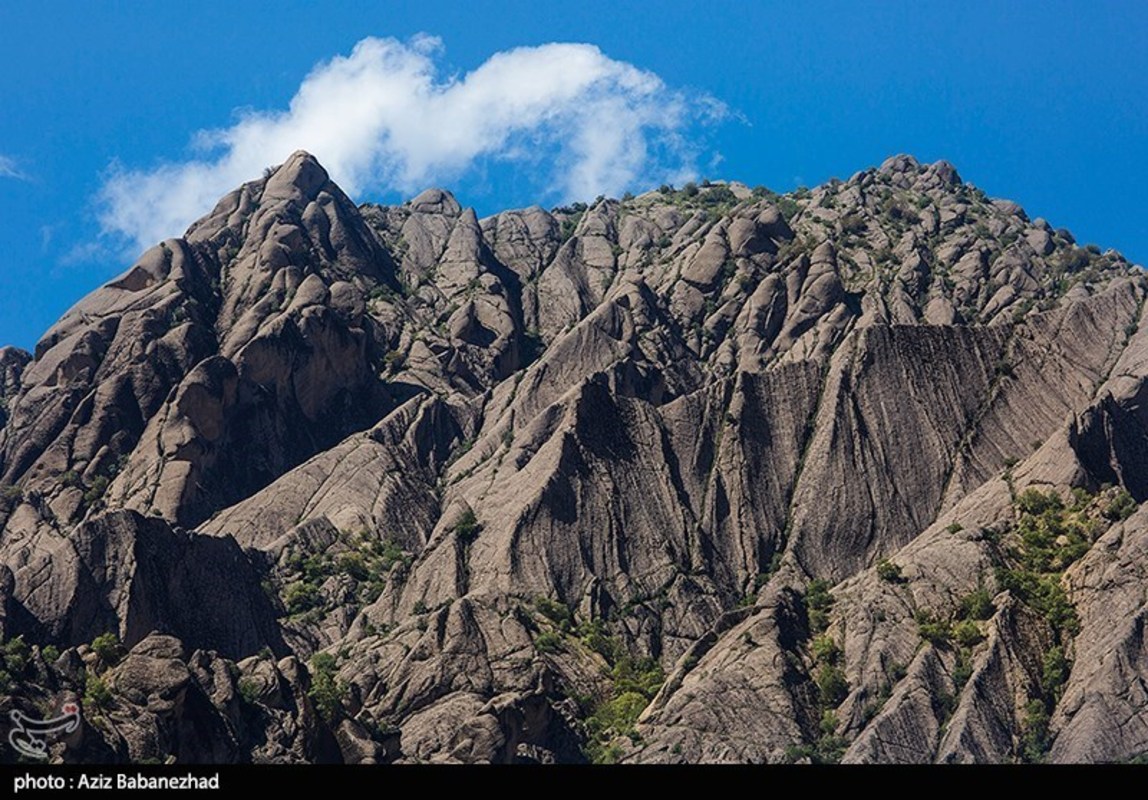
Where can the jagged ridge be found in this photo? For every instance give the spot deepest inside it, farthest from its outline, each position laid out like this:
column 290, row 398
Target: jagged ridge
column 490, row 465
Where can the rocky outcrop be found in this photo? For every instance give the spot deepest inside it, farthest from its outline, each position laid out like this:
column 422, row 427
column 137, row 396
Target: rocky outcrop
column 708, row 474
column 130, row 575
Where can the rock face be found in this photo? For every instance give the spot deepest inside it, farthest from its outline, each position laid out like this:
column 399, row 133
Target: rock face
column 708, row 474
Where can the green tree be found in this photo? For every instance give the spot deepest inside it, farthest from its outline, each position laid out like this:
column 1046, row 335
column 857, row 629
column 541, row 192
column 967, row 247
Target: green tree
column 325, row 692
column 107, row 646
column 888, row 571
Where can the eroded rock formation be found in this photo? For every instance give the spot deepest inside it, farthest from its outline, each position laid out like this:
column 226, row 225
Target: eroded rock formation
column 708, row 474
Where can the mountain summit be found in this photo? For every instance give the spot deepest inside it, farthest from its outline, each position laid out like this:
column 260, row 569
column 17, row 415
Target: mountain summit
column 706, row 474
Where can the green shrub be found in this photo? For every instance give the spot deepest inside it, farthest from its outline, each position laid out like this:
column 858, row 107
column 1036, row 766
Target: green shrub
column 556, row 612
column 97, row 694
column 1034, row 501
column 1044, row 594
column 354, row 565
column 832, row 687
column 107, row 646
column 1034, row 732
column 50, row 653
column 888, row 571
column 467, row 527
column 788, row 208
column 15, row 655
column 1054, row 672
column 1080, row 499
column 325, row 691
column 635, row 682
column 933, row 629
column 593, row 636
column 818, row 601
column 954, row 527
column 963, row 670
column 249, row 690
column 420, row 607
column 718, row 195
column 966, row 633
column 1120, row 507
column 977, row 604
column 604, row 754
column 641, row 675
column 316, row 567
column 548, row 642
column 301, row 597
column 96, row 491
column 391, row 554
column 825, row 650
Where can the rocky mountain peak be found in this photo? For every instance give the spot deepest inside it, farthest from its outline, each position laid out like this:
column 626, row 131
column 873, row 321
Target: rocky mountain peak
column 436, row 201
column 300, row 178
column 706, row 473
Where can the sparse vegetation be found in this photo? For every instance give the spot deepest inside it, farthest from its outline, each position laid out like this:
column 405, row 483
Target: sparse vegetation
column 325, row 692
column 571, row 217
column 96, row 490
column 556, row 612
column 832, row 687
column 301, row 597
column 1047, row 538
column 13, row 661
column 11, row 494
column 818, row 602
column 1121, row 506
column 932, row 628
column 467, row 527
column 966, row 633
column 97, row 693
column 107, row 646
column 368, row 561
column 249, row 690
column 1054, row 673
column 788, row 208
column 548, row 642
column 888, row 571
column 1034, row 731
column 634, row 682
column 976, row 605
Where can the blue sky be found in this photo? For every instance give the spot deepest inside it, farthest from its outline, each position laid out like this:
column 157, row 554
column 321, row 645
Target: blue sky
column 102, row 103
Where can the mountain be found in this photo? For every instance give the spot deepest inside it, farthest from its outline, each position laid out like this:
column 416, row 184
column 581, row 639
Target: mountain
column 706, row 474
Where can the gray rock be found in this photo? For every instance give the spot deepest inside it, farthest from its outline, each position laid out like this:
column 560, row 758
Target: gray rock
column 486, row 468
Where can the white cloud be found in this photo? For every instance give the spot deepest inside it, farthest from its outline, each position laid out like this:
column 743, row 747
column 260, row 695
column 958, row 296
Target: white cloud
column 383, row 118
column 85, row 253
column 8, row 169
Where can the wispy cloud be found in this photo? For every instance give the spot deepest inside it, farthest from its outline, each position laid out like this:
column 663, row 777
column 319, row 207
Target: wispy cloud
column 9, row 169
column 87, row 253
column 384, row 118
